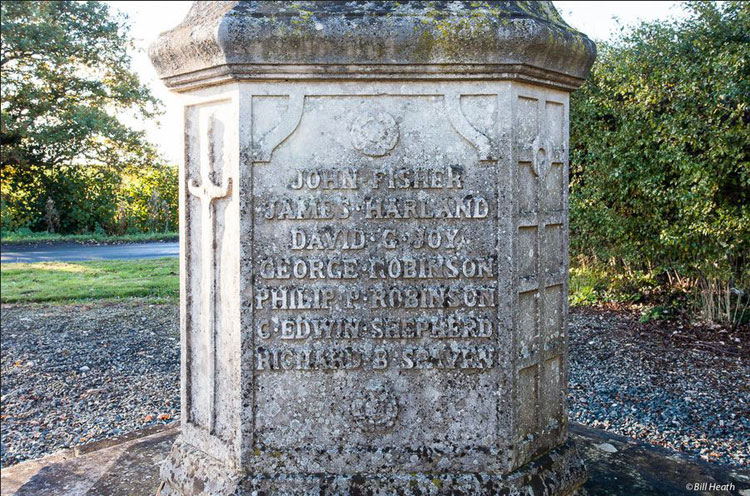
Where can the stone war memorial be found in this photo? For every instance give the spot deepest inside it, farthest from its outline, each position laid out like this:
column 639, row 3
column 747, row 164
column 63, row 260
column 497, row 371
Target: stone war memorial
column 374, row 247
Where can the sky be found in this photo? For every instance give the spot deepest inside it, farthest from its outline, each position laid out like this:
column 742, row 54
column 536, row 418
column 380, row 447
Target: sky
column 599, row 20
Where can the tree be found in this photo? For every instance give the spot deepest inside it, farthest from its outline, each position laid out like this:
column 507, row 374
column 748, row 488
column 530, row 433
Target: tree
column 660, row 149
column 66, row 77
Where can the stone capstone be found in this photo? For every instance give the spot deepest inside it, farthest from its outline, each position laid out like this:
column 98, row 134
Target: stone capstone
column 237, row 40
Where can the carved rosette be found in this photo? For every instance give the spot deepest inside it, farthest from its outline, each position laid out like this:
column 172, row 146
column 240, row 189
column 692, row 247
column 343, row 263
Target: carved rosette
column 375, row 408
column 374, row 133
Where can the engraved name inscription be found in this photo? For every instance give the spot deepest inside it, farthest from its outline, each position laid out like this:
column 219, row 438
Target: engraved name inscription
column 375, row 267
column 341, row 260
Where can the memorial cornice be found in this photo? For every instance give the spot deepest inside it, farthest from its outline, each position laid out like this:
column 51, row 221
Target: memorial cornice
column 219, row 42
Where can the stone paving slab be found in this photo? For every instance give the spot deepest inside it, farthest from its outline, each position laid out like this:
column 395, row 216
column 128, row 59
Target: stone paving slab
column 618, row 466
column 622, row 466
column 129, row 468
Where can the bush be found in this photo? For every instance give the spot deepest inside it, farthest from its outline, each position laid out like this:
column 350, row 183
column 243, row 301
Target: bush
column 660, row 162
column 148, row 201
column 90, row 199
column 74, row 199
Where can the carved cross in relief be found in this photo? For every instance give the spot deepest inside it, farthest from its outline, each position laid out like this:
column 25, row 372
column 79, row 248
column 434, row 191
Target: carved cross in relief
column 541, row 149
column 542, row 154
column 207, row 191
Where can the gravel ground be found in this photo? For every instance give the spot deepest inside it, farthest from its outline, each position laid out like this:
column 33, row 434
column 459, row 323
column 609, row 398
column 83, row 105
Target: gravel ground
column 80, row 373
column 670, row 384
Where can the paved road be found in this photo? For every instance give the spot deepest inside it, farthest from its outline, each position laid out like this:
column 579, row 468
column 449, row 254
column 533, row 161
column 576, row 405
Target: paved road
column 72, row 252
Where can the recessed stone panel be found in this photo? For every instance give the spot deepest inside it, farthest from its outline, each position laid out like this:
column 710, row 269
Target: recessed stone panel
column 528, row 304
column 554, row 120
column 551, row 397
column 527, row 396
column 527, row 252
column 527, row 188
column 553, row 249
column 553, row 318
column 375, row 298
column 527, row 111
column 208, row 186
column 553, row 189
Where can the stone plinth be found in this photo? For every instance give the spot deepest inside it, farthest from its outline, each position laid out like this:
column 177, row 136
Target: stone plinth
column 374, row 247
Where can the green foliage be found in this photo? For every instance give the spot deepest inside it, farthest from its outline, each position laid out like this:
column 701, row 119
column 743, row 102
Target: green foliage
column 148, row 200
column 660, row 149
column 596, row 284
column 156, row 279
column 92, row 199
column 66, row 77
column 60, row 199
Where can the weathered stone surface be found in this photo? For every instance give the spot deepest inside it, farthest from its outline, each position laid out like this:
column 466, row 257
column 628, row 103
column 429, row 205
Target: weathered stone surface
column 230, row 40
column 373, row 270
column 127, row 466
column 132, row 469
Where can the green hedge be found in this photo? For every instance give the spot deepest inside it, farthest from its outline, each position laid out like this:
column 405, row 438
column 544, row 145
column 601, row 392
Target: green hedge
column 90, row 199
column 660, row 148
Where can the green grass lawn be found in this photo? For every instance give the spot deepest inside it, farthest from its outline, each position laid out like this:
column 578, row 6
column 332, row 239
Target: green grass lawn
column 27, row 237
column 156, row 279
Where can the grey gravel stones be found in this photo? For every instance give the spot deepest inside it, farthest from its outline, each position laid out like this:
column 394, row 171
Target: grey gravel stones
column 628, row 379
column 132, row 356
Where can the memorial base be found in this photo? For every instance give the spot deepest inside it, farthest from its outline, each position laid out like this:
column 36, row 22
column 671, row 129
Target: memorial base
column 189, row 471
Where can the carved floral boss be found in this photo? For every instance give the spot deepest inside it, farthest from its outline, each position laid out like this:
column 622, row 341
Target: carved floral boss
column 375, row 407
